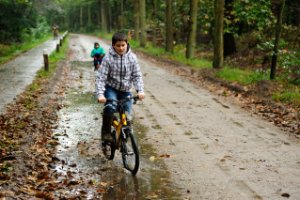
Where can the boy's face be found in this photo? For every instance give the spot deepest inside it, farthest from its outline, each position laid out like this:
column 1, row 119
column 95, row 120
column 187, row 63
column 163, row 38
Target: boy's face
column 97, row 46
column 120, row 47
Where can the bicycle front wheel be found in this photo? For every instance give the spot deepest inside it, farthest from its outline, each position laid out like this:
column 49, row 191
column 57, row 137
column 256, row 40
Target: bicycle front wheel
column 109, row 148
column 130, row 154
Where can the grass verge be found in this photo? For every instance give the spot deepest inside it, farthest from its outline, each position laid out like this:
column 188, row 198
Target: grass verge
column 244, row 77
column 53, row 59
column 8, row 52
column 290, row 95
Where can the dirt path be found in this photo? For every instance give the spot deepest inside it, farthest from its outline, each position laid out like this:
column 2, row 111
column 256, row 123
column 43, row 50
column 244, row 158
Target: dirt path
column 217, row 151
column 20, row 72
column 199, row 145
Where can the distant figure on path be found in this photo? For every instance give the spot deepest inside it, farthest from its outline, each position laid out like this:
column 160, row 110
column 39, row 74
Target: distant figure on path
column 55, row 31
column 97, row 53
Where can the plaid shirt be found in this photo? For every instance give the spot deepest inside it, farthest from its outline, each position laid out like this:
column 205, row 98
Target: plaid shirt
column 119, row 72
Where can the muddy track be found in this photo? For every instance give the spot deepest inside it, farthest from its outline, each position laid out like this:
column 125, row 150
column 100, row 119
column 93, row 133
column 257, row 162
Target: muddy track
column 194, row 144
column 213, row 145
column 212, row 149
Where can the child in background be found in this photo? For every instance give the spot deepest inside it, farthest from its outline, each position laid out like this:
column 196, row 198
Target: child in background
column 97, row 53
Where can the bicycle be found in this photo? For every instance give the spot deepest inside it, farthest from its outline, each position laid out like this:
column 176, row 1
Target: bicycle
column 123, row 138
column 97, row 61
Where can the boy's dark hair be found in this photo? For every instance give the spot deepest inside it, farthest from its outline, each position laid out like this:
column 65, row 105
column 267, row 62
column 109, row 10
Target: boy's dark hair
column 119, row 36
column 96, row 43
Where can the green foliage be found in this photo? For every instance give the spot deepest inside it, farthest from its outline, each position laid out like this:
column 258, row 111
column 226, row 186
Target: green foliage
column 252, row 14
column 34, row 87
column 42, row 28
column 291, row 34
column 15, row 18
column 6, row 167
column 241, row 76
column 289, row 61
column 205, row 16
column 61, row 54
column 177, row 56
column 148, row 49
column 195, row 63
column 291, row 97
column 268, row 46
column 38, row 31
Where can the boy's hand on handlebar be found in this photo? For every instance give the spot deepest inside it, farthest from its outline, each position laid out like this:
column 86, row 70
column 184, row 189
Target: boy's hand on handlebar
column 101, row 99
column 141, row 95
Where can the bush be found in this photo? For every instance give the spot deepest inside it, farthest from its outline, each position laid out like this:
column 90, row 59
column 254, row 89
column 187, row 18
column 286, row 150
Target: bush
column 40, row 30
column 289, row 61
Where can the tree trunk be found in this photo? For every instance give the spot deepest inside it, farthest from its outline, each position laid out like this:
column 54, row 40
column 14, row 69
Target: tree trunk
column 277, row 37
column 154, row 41
column 121, row 17
column 191, row 41
column 229, row 41
column 89, row 17
column 143, row 22
column 109, row 18
column 136, row 20
column 169, row 26
column 103, row 17
column 81, row 18
column 218, row 34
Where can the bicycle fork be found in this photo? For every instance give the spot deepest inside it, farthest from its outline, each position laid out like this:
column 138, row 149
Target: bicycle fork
column 119, row 130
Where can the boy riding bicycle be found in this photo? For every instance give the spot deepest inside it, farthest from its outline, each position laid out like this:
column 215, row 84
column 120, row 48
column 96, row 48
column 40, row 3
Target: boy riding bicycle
column 119, row 71
column 98, row 54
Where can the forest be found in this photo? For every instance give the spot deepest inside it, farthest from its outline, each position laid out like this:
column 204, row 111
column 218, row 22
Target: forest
column 249, row 38
column 221, row 117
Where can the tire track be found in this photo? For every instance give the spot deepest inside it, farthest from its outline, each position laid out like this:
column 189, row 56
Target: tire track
column 217, row 151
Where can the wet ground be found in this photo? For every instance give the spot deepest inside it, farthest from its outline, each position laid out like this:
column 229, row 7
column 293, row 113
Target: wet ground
column 20, row 72
column 194, row 144
column 216, row 150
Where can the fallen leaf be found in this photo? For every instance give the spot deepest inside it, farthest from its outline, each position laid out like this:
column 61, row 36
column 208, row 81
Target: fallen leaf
column 44, row 195
column 7, row 193
column 165, row 156
column 152, row 196
column 101, row 190
column 104, row 184
column 152, row 158
column 287, row 195
column 73, row 182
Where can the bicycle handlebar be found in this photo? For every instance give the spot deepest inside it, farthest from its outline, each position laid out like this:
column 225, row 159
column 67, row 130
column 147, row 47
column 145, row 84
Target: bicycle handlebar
column 122, row 101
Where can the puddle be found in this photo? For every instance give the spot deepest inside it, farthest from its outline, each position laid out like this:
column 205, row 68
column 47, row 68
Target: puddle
column 80, row 162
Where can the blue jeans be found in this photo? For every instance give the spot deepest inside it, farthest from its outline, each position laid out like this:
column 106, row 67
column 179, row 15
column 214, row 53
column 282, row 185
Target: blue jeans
column 111, row 107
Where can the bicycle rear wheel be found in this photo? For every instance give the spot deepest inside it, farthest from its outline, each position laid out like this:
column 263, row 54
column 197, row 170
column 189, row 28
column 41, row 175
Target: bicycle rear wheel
column 130, row 154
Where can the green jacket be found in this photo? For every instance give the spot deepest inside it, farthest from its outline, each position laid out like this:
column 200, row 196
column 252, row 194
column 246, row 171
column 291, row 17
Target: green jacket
column 97, row 52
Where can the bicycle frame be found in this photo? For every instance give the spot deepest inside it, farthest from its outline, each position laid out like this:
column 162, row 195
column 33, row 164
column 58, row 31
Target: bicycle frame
column 118, row 126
